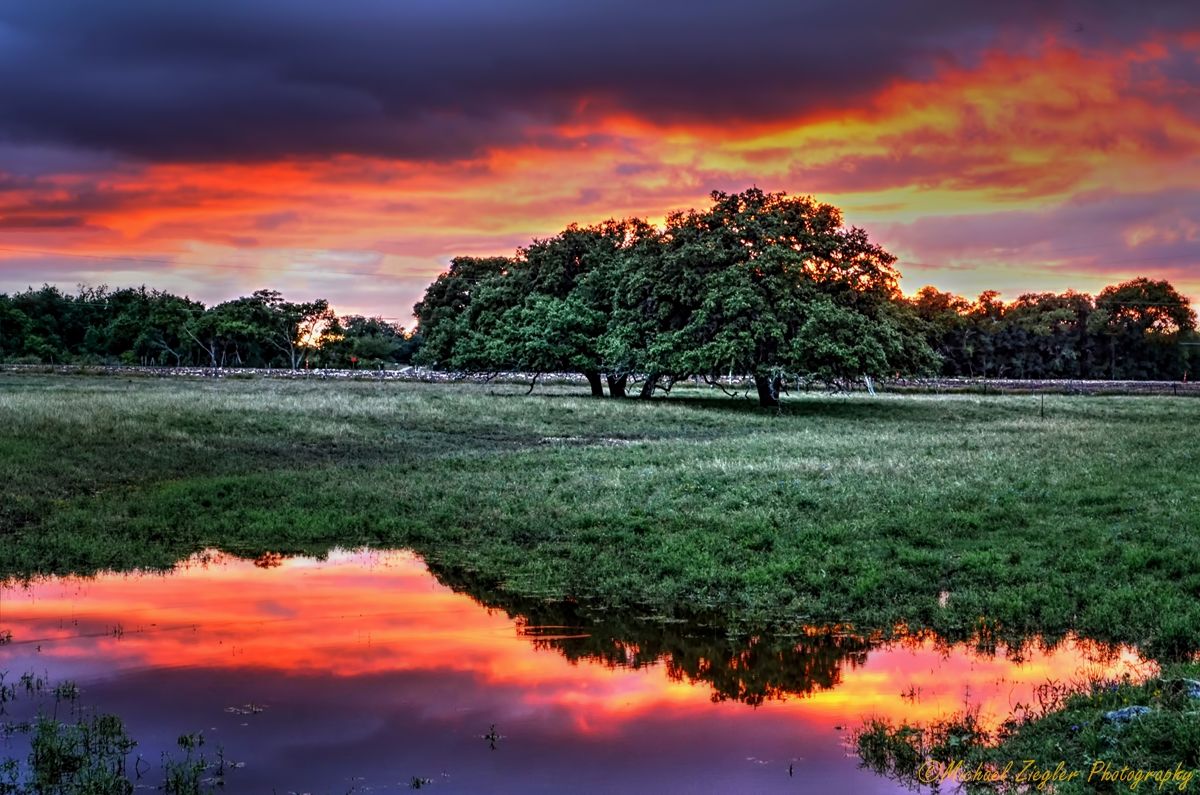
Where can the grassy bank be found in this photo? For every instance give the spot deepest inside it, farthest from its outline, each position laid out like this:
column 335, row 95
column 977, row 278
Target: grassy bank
column 960, row 513
column 1098, row 736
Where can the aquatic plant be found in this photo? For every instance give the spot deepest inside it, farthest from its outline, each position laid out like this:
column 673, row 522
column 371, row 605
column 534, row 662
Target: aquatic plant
column 89, row 754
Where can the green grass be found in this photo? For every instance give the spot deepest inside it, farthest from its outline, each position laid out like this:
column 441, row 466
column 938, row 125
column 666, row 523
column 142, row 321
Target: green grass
column 846, row 509
column 1077, row 726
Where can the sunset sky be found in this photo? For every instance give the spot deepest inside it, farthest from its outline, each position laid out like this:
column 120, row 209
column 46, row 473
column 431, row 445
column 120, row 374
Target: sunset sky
column 348, row 149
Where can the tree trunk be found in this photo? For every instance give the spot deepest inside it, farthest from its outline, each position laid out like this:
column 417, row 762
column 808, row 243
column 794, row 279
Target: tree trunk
column 648, row 387
column 768, row 390
column 616, row 385
column 595, row 383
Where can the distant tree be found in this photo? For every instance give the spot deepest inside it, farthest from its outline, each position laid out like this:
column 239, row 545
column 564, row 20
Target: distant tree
column 1046, row 335
column 165, row 333
column 291, row 328
column 1142, row 322
column 947, row 328
column 235, row 332
column 260, row 330
column 14, row 328
column 52, row 327
column 1130, row 331
column 370, row 340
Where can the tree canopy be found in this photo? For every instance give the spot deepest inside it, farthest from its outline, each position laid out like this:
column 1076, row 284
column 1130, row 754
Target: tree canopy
column 1130, row 331
column 759, row 284
column 775, row 288
column 152, row 327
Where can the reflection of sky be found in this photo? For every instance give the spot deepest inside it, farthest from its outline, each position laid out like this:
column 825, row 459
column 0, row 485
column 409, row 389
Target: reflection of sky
column 367, row 667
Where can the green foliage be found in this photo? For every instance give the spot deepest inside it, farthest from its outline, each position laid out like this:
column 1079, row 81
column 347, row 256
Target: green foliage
column 442, row 313
column 732, row 289
column 785, row 291
column 356, row 342
column 837, row 344
column 1130, row 331
column 777, row 288
column 84, row 758
column 544, row 310
column 150, row 327
column 760, row 285
column 186, row 776
column 260, row 330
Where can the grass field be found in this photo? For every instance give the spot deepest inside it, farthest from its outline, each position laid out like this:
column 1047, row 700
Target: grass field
column 958, row 513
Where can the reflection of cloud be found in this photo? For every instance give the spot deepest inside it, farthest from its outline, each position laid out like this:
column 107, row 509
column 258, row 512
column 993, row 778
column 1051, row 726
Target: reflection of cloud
column 381, row 614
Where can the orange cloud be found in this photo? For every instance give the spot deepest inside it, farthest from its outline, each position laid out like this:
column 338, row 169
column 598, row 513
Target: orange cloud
column 1037, row 132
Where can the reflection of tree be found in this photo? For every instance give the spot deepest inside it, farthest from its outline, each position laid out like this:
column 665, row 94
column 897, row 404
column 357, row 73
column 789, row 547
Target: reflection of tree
column 751, row 670
column 269, row 560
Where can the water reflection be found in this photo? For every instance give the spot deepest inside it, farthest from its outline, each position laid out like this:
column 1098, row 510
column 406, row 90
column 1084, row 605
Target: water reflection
column 362, row 672
column 940, row 674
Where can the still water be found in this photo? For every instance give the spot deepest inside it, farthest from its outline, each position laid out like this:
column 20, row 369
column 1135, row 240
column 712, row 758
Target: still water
column 361, row 673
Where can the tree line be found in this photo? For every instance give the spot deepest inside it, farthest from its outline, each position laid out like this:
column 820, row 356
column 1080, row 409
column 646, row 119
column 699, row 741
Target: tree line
column 767, row 286
column 140, row 326
column 776, row 288
column 1138, row 330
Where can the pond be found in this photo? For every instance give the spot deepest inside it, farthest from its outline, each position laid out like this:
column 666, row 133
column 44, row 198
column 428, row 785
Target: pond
column 362, row 673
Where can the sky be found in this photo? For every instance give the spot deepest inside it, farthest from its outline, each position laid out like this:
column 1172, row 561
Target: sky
column 348, row 150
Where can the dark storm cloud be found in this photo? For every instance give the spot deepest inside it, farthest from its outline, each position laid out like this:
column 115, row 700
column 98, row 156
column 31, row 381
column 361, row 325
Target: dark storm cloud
column 227, row 79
